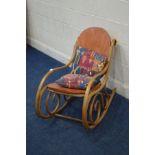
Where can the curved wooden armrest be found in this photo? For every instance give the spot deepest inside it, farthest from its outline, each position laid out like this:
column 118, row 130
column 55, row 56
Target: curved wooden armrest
column 102, row 73
column 91, row 82
column 51, row 71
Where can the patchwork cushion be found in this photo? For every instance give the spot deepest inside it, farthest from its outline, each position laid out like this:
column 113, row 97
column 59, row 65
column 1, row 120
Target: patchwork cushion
column 77, row 81
column 88, row 61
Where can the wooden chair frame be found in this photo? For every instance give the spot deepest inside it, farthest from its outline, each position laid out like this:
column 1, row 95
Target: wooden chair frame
column 91, row 102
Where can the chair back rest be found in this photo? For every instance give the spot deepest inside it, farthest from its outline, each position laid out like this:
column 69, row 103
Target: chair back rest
column 96, row 39
column 92, row 52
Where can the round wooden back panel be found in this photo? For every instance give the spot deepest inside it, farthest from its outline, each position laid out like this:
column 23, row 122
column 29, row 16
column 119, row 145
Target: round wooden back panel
column 96, row 39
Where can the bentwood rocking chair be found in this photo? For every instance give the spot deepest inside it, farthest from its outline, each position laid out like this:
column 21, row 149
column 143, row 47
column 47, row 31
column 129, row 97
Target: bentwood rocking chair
column 89, row 65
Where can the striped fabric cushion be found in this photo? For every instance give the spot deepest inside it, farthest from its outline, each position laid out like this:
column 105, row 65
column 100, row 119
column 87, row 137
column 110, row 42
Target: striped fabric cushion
column 88, row 61
column 77, row 81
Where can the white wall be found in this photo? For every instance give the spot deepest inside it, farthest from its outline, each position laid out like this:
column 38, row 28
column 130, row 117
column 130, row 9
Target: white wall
column 53, row 26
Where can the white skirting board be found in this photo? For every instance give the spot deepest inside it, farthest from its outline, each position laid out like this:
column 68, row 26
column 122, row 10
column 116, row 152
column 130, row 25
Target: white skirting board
column 52, row 52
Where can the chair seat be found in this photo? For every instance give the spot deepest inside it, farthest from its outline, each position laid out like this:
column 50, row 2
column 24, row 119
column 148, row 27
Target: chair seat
column 60, row 89
column 63, row 90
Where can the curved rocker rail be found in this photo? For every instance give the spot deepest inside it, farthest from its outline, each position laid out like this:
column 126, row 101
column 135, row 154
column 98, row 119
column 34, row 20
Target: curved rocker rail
column 95, row 103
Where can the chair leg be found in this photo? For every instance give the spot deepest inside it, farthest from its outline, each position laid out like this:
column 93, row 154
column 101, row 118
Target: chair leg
column 55, row 97
column 99, row 104
column 38, row 104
